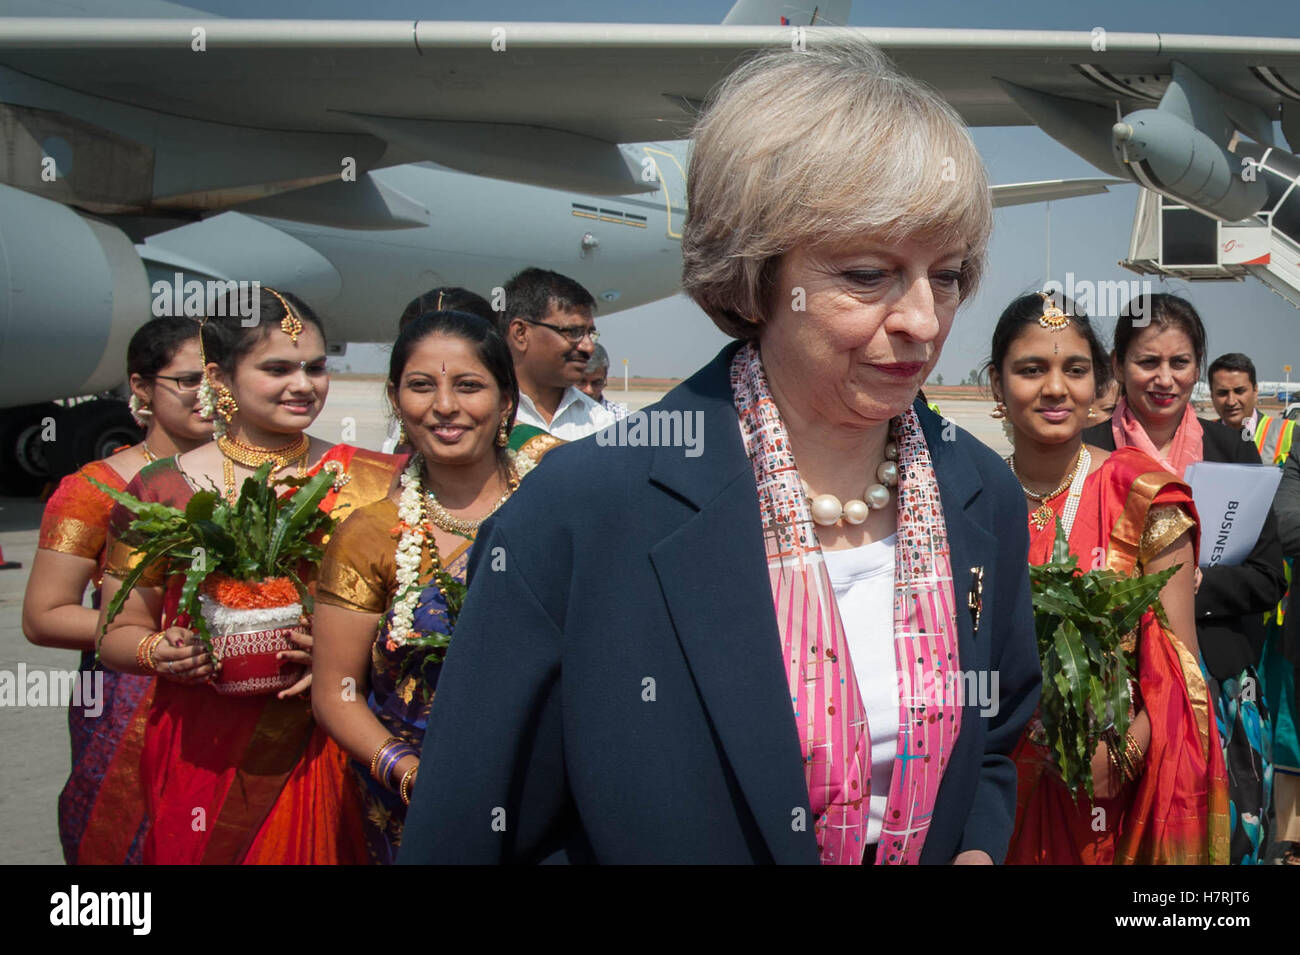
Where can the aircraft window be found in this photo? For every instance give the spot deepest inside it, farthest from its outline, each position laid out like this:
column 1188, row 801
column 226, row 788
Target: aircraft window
column 579, row 205
column 633, row 215
column 610, row 212
column 1276, row 184
column 1286, row 218
column 1283, row 162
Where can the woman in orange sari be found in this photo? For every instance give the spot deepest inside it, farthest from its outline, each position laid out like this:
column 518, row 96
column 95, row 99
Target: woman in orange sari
column 240, row 779
column 1160, row 794
column 163, row 371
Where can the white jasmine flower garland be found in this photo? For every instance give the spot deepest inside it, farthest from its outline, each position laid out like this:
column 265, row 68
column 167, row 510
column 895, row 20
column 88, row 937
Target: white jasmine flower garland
column 416, row 531
column 410, row 548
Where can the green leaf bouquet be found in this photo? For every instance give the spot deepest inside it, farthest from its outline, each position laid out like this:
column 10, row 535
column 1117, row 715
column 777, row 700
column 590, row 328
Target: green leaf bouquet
column 261, row 537
column 1080, row 620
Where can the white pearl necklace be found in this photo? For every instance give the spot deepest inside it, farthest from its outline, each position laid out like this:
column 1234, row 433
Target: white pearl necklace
column 827, row 510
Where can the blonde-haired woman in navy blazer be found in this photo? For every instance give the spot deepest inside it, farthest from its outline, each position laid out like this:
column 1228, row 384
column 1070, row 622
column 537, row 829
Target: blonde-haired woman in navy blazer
column 784, row 617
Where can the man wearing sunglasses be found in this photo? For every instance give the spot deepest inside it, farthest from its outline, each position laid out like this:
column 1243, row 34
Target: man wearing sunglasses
column 549, row 327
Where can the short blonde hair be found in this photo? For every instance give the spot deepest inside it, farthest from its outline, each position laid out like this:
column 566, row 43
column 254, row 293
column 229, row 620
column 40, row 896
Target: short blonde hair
column 832, row 144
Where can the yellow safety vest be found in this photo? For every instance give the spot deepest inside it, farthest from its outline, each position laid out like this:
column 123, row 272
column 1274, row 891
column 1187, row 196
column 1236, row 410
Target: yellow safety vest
column 1282, row 435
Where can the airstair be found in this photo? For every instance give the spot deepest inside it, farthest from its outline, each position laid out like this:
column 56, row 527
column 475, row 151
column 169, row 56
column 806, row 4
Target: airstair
column 1173, row 240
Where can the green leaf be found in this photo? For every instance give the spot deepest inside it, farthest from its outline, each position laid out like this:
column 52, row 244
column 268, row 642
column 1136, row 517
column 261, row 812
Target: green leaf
column 1130, row 598
column 292, row 518
column 201, row 506
column 1080, row 620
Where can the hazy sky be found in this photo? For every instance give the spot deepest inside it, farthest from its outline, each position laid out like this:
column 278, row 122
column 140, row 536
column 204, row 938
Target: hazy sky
column 1088, row 236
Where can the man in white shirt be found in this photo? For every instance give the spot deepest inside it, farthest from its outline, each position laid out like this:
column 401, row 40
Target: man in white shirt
column 549, row 327
column 594, row 378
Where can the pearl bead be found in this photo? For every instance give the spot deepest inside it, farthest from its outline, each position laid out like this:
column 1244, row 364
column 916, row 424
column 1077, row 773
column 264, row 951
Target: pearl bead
column 891, row 451
column 887, row 473
column 855, row 512
column 826, row 509
column 877, row 496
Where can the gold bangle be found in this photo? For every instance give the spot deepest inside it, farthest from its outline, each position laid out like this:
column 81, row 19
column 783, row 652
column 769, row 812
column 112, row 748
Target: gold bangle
column 159, row 637
column 1134, row 754
column 407, row 784
column 144, row 651
column 1122, row 753
column 1112, row 756
column 379, row 753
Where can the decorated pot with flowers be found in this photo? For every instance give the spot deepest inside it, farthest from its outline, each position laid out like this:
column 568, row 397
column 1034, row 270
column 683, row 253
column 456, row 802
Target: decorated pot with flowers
column 239, row 562
column 250, row 625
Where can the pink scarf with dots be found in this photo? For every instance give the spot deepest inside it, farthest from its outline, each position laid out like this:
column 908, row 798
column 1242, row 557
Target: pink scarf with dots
column 828, row 708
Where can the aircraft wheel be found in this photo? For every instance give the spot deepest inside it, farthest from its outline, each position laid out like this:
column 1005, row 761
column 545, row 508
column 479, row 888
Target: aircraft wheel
column 24, row 454
column 90, row 431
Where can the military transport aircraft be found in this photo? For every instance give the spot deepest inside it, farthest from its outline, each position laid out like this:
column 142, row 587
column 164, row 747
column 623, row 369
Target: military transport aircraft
column 359, row 162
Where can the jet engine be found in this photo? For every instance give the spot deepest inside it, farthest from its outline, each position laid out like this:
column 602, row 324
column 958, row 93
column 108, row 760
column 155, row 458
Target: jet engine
column 72, row 292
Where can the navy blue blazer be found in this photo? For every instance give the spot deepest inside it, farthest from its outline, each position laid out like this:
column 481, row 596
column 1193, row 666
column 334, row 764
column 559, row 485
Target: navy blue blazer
column 614, row 691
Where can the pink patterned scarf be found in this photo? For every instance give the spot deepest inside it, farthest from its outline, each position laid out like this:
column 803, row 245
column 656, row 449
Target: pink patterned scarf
column 828, row 708
column 1188, row 445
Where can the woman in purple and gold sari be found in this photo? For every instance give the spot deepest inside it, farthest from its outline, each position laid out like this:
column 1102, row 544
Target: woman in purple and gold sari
column 240, row 779
column 164, row 372
column 453, row 389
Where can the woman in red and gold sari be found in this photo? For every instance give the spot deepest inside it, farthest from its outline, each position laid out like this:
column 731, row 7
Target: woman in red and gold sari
column 163, row 371
column 240, row 779
column 1160, row 794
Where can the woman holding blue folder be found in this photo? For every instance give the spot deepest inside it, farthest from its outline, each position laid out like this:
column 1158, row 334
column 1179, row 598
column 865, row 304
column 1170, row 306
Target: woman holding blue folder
column 1158, row 356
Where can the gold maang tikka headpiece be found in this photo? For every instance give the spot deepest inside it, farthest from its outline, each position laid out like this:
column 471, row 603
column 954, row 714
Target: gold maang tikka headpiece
column 1052, row 318
column 438, row 307
column 291, row 324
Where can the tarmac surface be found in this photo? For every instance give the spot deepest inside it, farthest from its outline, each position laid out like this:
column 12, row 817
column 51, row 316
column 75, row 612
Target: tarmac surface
column 34, row 739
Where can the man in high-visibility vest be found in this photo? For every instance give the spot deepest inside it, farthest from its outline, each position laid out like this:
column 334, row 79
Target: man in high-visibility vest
column 1234, row 390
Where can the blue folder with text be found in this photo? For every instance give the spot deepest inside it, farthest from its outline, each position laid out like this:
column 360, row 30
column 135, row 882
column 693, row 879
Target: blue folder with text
column 1232, row 501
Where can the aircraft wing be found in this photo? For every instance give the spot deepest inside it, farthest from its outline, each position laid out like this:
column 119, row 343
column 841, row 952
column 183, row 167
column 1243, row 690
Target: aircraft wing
column 1021, row 193
column 618, row 83
column 525, row 100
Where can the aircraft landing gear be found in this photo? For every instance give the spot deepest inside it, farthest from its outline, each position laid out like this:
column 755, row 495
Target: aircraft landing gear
column 42, row 443
column 24, row 461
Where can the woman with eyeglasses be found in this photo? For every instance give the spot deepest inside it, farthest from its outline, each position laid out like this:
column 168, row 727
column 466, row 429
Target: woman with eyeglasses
column 164, row 370
column 239, row 779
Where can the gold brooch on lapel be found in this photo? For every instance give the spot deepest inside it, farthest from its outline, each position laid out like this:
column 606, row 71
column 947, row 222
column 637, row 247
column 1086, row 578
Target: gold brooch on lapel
column 975, row 598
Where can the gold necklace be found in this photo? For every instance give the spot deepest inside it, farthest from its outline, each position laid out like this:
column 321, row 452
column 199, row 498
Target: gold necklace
column 149, row 456
column 1042, row 514
column 250, row 456
column 445, row 520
